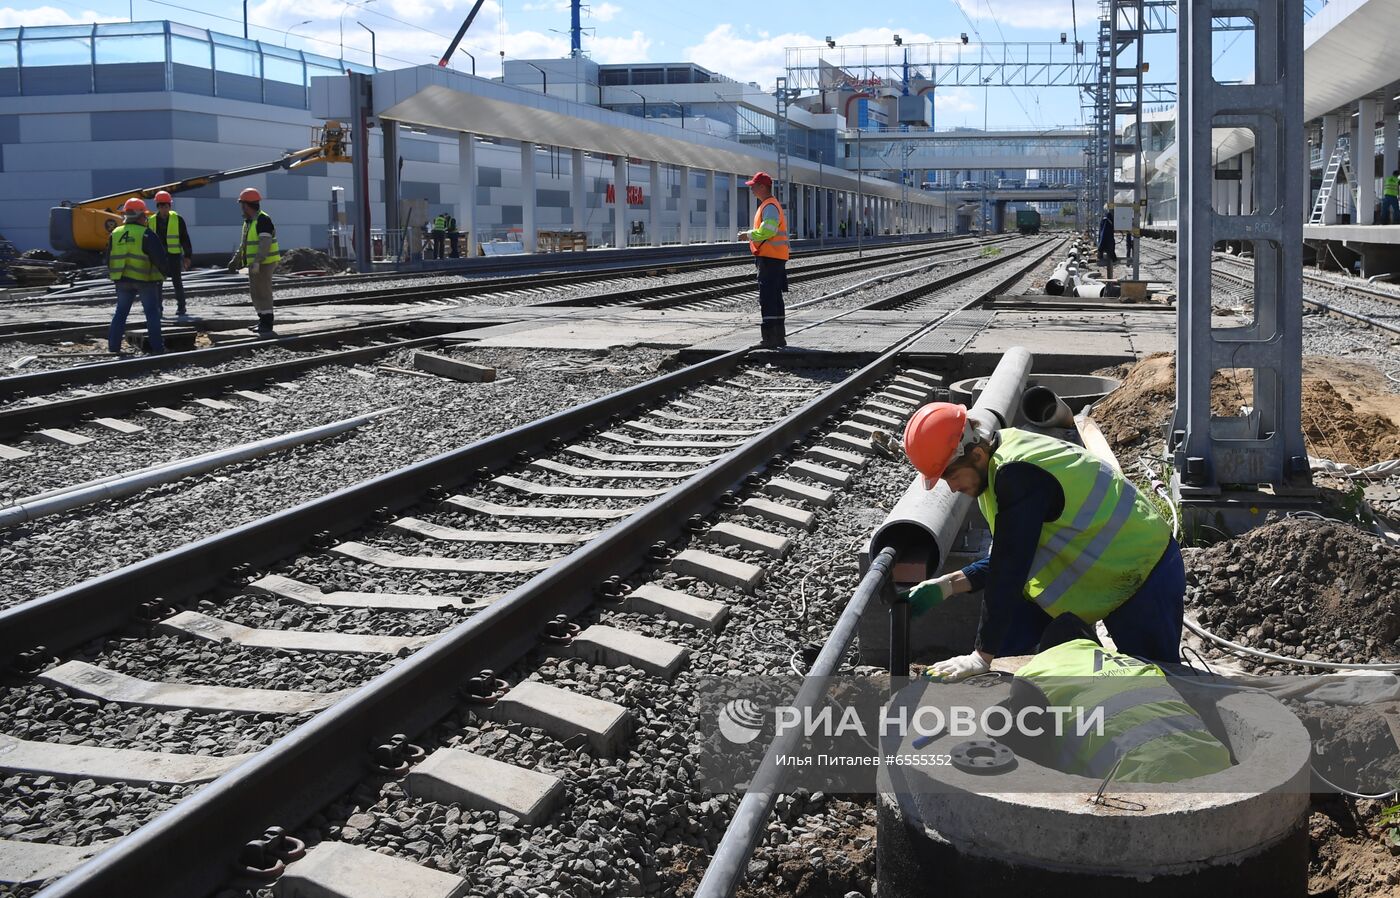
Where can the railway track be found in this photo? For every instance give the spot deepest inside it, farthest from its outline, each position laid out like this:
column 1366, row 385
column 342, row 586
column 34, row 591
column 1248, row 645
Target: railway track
column 1233, row 280
column 508, row 286
column 631, row 514
column 48, row 417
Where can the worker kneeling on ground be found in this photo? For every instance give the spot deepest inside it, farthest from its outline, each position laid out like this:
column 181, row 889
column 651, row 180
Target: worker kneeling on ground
column 1148, row 732
column 1070, row 535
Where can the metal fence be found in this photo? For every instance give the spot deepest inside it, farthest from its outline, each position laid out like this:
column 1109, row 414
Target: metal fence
column 128, row 57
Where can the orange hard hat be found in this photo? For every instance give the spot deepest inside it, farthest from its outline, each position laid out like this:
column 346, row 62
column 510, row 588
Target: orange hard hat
column 162, row 196
column 935, row 436
column 249, row 195
column 134, row 205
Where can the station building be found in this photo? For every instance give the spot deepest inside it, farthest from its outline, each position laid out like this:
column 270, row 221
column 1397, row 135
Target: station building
column 92, row 110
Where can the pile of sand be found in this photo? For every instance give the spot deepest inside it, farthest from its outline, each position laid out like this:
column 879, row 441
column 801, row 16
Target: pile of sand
column 1349, row 415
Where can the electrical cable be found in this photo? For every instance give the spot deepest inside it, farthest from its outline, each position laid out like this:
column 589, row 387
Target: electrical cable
column 1384, row 796
column 1281, row 659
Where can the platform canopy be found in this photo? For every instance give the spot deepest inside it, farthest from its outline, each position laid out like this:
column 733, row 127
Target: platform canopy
column 446, row 101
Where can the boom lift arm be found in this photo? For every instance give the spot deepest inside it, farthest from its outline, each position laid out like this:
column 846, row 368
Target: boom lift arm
column 86, row 225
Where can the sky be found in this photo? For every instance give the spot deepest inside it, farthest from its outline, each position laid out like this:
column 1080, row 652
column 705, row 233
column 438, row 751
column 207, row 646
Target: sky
column 738, row 38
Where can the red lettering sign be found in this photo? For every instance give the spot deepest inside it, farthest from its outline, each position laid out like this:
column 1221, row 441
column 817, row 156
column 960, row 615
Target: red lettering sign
column 634, row 195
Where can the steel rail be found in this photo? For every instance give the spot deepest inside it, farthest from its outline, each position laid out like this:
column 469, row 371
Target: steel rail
column 191, row 848
column 599, row 264
column 86, row 610
column 38, row 382
column 1328, row 307
column 731, row 859
column 26, row 418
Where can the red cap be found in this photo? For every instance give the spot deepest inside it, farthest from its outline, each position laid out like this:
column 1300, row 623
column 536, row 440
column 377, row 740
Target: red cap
column 759, row 178
column 162, row 196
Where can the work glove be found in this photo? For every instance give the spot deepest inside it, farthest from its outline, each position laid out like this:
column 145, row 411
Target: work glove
column 927, row 595
column 959, row 668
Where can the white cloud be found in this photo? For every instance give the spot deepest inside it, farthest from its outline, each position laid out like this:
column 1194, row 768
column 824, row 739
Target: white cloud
column 956, row 99
column 604, row 12
column 620, row 49
column 761, row 57
column 49, row 15
column 1027, row 13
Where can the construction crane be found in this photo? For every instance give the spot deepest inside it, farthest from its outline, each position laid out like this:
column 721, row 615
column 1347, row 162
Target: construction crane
column 467, row 23
column 86, row 225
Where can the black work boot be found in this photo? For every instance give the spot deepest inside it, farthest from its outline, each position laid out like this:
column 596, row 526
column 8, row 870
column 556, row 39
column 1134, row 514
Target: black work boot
column 265, row 330
column 770, row 337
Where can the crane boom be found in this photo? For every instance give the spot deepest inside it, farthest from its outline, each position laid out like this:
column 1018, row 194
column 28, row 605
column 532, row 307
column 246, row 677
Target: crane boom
column 452, row 47
column 85, row 225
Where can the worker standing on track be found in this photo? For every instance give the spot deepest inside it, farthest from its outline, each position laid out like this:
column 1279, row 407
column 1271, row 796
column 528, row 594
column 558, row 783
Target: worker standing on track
column 1107, row 254
column 170, row 227
column 259, row 253
column 1390, row 199
column 1070, row 535
column 768, row 240
column 439, row 233
column 136, row 262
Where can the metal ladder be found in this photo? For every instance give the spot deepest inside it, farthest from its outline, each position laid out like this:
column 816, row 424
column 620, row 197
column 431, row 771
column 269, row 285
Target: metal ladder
column 1339, row 163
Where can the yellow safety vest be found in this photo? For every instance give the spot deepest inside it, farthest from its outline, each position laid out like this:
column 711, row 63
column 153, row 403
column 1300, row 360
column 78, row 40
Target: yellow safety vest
column 172, row 233
column 1392, row 186
column 250, row 242
column 1098, row 552
column 440, row 223
column 128, row 260
column 1145, row 722
column 775, row 247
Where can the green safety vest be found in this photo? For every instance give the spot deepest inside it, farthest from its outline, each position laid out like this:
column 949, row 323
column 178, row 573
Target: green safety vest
column 440, row 223
column 1098, row 552
column 1159, row 737
column 128, row 260
column 1392, row 186
column 250, row 242
column 172, row 233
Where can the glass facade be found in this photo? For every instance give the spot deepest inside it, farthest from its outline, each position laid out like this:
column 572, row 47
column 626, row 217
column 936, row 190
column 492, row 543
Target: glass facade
column 129, row 57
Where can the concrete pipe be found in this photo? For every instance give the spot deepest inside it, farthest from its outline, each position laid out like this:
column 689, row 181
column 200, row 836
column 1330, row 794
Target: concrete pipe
column 1043, row 408
column 1055, row 285
column 923, row 523
column 1030, row 829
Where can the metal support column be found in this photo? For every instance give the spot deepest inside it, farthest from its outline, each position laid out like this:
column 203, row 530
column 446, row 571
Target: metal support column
column 620, row 202
column 1390, row 153
column 360, row 90
column 578, row 205
column 733, row 207
column 389, row 129
column 529, row 234
column 1221, row 462
column 654, row 203
column 710, row 199
column 780, row 146
column 1125, row 94
column 466, row 193
column 1363, row 161
column 683, row 174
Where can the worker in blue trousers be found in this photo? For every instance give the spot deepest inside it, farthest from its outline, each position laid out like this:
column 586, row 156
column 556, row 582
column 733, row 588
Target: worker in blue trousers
column 1070, row 534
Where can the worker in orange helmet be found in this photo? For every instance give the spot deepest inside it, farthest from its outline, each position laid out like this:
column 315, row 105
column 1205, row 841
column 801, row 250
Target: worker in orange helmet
column 259, row 253
column 1070, row 535
column 169, row 226
column 136, row 264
